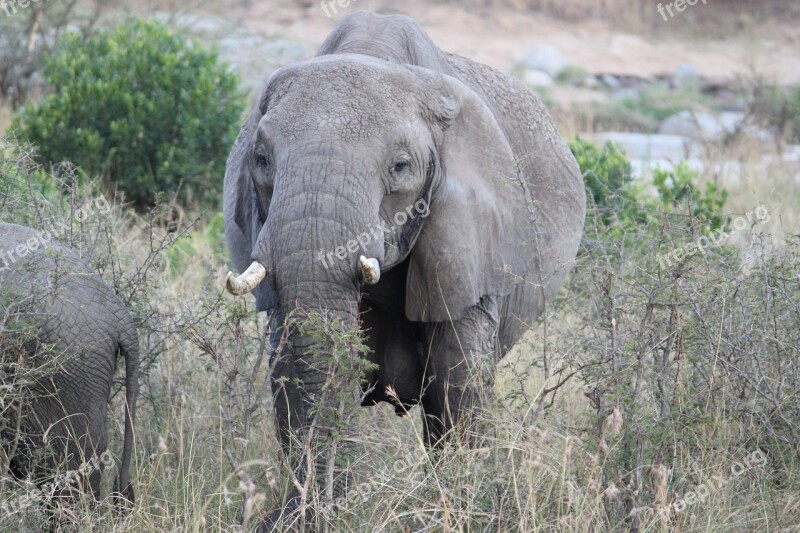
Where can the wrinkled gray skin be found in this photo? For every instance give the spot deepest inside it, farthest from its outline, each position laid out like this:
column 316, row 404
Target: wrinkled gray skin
column 80, row 319
column 379, row 120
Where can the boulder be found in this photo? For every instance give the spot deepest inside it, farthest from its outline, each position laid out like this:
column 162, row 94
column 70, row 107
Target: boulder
column 650, row 147
column 546, row 58
column 537, row 78
column 702, row 126
column 685, row 76
column 611, row 81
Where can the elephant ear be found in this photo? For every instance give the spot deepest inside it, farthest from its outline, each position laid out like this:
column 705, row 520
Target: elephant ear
column 478, row 238
column 243, row 213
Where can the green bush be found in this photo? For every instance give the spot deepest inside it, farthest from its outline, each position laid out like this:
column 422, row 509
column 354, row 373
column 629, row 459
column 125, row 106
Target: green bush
column 676, row 187
column 618, row 204
column 140, row 106
column 606, row 170
column 672, row 354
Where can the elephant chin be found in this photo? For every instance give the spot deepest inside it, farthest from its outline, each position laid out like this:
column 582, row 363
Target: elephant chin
column 247, row 280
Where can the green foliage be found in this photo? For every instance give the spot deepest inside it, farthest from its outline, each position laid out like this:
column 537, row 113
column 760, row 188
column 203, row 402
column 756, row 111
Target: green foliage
column 619, row 204
column 606, row 170
column 336, row 347
column 614, row 200
column 677, row 187
column 671, row 352
column 185, row 251
column 141, row 107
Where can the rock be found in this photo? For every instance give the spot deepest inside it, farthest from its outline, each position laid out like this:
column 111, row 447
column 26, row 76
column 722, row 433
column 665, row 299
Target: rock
column 256, row 57
column 547, row 58
column 612, row 82
column 685, row 76
column 702, row 126
column 590, row 82
column 761, row 135
column 537, row 78
column 789, row 156
column 651, row 147
column 197, row 23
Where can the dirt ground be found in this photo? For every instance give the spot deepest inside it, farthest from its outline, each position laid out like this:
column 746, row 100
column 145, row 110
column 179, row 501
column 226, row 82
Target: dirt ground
column 497, row 36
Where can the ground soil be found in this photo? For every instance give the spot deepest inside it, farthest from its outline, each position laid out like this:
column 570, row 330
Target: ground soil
column 499, row 35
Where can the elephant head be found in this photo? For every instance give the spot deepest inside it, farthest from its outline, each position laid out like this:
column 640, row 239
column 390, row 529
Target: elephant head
column 359, row 174
column 343, row 146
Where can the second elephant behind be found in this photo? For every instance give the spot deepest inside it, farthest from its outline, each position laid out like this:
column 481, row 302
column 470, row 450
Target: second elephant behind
column 58, row 316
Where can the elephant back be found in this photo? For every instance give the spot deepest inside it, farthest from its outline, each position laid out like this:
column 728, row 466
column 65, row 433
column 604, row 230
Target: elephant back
column 54, row 291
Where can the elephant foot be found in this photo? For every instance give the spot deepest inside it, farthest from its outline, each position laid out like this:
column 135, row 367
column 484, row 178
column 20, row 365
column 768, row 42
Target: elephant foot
column 123, row 501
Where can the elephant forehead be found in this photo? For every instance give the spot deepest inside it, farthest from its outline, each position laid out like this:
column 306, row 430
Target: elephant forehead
column 342, row 100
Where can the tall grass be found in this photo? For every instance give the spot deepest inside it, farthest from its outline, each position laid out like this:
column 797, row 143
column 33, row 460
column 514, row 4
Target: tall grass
column 629, row 405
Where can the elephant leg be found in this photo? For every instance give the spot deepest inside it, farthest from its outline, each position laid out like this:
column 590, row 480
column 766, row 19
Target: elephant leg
column 285, row 393
column 459, row 375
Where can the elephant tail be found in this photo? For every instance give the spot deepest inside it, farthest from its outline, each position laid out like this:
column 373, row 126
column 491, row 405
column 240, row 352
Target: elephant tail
column 129, row 347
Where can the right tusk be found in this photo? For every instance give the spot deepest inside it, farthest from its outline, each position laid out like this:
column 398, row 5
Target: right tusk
column 247, row 280
column 370, row 270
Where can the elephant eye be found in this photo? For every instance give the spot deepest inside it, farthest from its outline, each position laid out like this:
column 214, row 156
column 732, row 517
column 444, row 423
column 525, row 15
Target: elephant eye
column 260, row 165
column 260, row 159
column 400, row 165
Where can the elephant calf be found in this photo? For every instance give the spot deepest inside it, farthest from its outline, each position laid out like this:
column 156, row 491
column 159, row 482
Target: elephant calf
column 54, row 308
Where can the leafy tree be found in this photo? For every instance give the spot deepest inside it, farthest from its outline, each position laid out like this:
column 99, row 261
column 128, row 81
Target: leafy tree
column 140, row 106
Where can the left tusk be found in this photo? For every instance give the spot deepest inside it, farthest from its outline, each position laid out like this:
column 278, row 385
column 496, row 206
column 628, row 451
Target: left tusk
column 247, row 281
column 370, row 270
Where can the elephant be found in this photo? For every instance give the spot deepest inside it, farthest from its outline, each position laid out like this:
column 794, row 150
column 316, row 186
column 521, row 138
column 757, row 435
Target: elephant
column 55, row 309
column 417, row 194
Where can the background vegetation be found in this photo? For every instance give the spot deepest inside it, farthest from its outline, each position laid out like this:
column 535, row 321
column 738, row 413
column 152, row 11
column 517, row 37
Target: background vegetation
column 140, row 107
column 637, row 402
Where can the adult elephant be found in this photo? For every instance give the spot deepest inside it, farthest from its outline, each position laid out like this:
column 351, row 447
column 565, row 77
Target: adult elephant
column 64, row 326
column 427, row 195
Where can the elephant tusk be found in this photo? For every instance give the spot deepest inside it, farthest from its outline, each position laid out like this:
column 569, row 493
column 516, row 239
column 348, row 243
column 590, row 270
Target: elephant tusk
column 247, row 280
column 370, row 270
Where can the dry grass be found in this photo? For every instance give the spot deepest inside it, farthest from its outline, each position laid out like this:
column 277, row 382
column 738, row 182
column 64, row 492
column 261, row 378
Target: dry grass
column 6, row 116
column 204, row 462
column 207, row 457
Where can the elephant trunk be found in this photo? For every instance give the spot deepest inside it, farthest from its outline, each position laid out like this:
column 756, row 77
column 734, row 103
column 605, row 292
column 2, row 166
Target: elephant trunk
column 312, row 406
column 317, row 291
